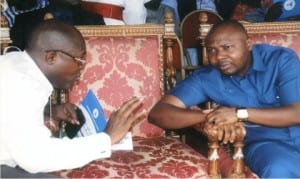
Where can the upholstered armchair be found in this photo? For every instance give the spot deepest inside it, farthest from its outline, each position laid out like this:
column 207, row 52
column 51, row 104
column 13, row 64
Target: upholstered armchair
column 126, row 61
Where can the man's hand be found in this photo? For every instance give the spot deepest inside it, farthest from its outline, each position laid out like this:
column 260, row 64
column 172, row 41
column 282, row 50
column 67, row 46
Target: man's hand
column 226, row 133
column 65, row 112
column 223, row 121
column 222, row 115
column 122, row 120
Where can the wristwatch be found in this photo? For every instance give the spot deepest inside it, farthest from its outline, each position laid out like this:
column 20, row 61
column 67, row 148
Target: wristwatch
column 242, row 114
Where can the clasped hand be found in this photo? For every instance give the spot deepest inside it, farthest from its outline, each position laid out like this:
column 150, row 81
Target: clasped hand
column 223, row 119
column 55, row 113
column 65, row 112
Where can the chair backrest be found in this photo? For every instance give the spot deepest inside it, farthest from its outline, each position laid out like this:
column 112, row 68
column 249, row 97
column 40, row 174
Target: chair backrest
column 127, row 61
column 191, row 40
column 190, row 26
column 286, row 34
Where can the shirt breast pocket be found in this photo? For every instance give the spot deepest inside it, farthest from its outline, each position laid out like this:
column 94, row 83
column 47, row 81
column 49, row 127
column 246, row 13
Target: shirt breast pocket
column 269, row 98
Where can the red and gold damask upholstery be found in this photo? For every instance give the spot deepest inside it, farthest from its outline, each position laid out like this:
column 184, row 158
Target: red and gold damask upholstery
column 158, row 157
column 119, row 68
column 285, row 34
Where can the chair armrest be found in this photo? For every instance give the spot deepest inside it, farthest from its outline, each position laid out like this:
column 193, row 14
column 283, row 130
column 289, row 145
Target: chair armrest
column 238, row 166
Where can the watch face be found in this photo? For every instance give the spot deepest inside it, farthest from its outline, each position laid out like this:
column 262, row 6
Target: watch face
column 242, row 113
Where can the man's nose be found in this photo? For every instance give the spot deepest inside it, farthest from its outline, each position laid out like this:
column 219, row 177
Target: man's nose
column 220, row 54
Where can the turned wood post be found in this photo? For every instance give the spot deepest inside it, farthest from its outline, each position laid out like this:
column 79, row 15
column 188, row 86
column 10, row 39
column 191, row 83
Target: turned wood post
column 4, row 29
column 238, row 167
column 169, row 40
column 213, row 150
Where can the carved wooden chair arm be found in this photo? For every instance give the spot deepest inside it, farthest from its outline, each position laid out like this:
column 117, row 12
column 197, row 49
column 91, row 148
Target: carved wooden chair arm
column 213, row 145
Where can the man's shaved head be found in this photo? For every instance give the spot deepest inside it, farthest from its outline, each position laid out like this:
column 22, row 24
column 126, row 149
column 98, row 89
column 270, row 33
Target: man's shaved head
column 55, row 46
column 230, row 24
column 54, row 34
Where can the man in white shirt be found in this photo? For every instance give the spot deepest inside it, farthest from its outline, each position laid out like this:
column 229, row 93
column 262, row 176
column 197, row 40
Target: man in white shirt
column 118, row 12
column 53, row 58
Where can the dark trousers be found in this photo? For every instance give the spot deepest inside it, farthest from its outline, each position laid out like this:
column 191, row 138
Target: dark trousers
column 10, row 172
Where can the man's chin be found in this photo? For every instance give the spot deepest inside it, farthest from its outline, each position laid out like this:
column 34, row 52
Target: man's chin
column 226, row 72
column 62, row 84
column 65, row 86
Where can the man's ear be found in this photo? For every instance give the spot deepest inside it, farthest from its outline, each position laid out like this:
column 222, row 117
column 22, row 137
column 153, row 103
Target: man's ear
column 249, row 43
column 50, row 57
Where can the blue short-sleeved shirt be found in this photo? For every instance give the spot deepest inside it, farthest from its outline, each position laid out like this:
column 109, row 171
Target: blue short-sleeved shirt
column 272, row 80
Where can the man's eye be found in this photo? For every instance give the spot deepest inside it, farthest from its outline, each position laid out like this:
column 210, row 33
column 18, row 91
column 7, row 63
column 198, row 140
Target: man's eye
column 210, row 50
column 227, row 47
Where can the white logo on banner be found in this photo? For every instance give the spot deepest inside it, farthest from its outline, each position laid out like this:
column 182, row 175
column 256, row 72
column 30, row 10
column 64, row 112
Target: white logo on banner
column 95, row 113
column 289, row 5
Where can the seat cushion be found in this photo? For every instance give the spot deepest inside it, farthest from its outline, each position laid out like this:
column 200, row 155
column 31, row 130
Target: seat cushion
column 157, row 157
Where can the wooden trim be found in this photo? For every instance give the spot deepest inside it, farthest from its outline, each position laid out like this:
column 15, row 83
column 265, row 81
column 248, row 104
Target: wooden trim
column 265, row 27
column 122, row 30
column 272, row 27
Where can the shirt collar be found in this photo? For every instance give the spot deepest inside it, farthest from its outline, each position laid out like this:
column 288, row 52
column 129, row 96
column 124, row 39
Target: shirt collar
column 40, row 75
column 257, row 62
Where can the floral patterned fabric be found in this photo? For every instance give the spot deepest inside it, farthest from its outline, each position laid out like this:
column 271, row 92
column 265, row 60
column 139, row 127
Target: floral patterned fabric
column 119, row 68
column 288, row 39
column 157, row 157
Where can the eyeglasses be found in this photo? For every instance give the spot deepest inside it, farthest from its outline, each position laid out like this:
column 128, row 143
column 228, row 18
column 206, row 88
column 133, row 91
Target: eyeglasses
column 79, row 60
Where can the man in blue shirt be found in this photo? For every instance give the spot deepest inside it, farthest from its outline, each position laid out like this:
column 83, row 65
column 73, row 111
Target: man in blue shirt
column 262, row 79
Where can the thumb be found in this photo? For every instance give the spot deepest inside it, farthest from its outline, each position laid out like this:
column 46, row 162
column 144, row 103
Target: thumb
column 206, row 111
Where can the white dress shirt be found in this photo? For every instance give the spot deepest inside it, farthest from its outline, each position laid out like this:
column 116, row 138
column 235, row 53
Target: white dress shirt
column 134, row 11
column 24, row 139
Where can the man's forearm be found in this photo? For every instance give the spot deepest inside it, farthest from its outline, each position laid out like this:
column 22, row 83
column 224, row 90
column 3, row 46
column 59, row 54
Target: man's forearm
column 172, row 117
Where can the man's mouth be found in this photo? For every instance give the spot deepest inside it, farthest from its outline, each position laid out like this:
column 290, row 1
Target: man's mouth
column 224, row 66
